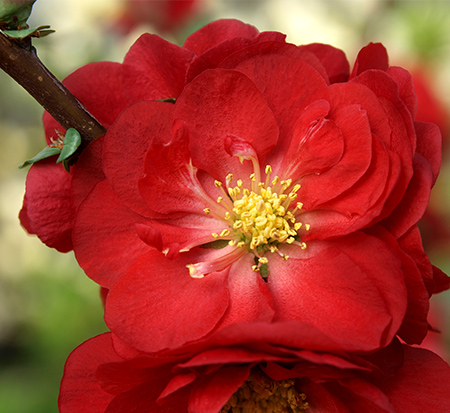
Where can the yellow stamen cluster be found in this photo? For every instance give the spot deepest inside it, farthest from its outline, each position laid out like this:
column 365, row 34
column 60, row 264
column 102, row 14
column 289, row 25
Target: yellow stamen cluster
column 260, row 394
column 260, row 217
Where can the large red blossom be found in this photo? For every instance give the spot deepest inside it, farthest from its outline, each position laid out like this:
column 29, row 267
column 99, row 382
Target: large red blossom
column 278, row 186
column 247, row 364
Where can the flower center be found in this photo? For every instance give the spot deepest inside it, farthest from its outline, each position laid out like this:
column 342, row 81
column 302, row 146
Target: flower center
column 261, row 394
column 261, row 218
column 257, row 219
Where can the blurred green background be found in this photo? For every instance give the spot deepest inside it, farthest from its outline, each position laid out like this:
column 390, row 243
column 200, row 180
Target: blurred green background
column 47, row 305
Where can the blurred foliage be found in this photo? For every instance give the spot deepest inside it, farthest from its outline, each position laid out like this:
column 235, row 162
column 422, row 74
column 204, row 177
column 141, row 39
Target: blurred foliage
column 47, row 305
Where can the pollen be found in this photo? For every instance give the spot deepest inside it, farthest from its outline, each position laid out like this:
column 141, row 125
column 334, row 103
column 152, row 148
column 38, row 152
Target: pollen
column 263, row 217
column 261, row 394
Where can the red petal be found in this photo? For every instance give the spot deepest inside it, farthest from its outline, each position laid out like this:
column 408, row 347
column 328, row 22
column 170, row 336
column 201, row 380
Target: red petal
column 226, row 103
column 211, row 392
column 216, row 32
column 415, row 200
column 105, row 236
column 88, row 171
column 212, row 58
column 429, row 145
column 373, row 56
column 167, row 296
column 48, row 209
column 406, row 88
column 80, row 383
column 415, row 268
column 98, row 86
column 357, row 298
column 250, row 299
column 334, row 61
column 126, row 144
column 287, row 91
column 354, row 163
column 317, row 149
column 421, row 384
column 154, row 69
column 170, row 183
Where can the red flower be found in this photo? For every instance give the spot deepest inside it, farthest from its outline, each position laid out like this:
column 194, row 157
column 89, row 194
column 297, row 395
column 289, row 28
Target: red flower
column 166, row 15
column 153, row 69
column 257, row 366
column 284, row 195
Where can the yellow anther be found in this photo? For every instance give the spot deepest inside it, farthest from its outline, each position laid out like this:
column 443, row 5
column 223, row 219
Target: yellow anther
column 285, row 257
column 263, row 260
column 260, row 217
column 303, row 245
column 307, row 227
column 255, row 268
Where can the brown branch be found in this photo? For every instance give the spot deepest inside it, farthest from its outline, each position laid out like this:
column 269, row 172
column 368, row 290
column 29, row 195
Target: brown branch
column 21, row 63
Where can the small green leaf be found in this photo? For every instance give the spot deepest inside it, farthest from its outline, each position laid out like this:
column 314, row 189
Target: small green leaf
column 66, row 165
column 15, row 13
column 45, row 153
column 72, row 141
column 24, row 33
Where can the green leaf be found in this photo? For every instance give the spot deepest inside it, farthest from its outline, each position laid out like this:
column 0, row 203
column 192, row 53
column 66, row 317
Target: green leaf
column 45, row 153
column 15, row 13
column 24, row 33
column 72, row 141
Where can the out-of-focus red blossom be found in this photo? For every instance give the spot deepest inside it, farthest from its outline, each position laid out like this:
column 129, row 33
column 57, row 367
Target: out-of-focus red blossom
column 434, row 225
column 164, row 15
column 154, row 196
column 435, row 339
column 104, row 375
column 430, row 107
